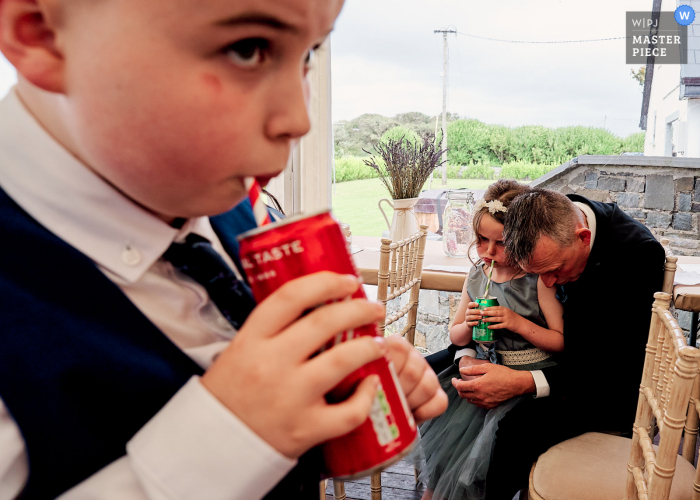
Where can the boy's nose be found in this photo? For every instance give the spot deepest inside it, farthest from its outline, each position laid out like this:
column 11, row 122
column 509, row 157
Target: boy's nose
column 289, row 117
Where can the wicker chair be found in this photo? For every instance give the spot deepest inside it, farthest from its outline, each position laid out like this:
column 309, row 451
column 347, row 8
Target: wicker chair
column 400, row 270
column 601, row 466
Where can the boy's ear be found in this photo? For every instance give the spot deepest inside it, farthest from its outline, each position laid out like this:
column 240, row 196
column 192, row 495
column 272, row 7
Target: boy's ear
column 28, row 41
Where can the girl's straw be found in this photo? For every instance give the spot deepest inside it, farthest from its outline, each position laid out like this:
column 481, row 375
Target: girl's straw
column 488, row 283
column 262, row 217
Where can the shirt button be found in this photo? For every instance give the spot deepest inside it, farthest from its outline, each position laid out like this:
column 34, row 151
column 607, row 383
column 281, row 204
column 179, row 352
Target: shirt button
column 131, row 256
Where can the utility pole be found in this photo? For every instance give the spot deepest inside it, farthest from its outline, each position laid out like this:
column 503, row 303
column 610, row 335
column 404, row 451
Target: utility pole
column 444, row 101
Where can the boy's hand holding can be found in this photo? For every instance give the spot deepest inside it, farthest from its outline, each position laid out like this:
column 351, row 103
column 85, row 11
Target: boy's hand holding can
column 268, row 378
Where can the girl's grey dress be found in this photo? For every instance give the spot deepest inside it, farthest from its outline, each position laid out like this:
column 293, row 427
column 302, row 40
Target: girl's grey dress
column 455, row 448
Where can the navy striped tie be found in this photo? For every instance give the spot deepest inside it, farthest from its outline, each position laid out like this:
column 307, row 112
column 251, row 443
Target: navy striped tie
column 197, row 259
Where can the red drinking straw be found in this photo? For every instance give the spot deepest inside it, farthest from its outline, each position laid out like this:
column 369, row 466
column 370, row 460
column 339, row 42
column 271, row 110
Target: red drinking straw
column 262, row 216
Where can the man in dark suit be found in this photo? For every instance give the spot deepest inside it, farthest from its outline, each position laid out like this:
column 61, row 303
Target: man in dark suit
column 607, row 267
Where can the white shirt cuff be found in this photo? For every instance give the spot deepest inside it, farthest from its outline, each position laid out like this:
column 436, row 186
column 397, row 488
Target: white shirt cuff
column 464, row 352
column 540, row 383
column 196, row 448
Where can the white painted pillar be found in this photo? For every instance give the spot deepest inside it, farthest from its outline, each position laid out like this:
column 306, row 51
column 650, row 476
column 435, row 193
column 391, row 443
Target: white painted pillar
column 305, row 185
column 692, row 143
column 316, row 148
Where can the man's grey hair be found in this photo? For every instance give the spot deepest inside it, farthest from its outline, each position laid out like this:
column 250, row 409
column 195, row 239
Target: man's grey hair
column 538, row 213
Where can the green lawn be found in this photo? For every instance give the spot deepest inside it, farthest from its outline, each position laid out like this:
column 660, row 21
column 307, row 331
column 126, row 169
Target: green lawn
column 355, row 202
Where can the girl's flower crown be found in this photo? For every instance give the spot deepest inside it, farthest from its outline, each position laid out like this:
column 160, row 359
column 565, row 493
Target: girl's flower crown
column 493, row 206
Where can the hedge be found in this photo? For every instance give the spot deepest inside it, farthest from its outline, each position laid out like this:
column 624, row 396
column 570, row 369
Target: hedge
column 352, row 168
column 472, row 142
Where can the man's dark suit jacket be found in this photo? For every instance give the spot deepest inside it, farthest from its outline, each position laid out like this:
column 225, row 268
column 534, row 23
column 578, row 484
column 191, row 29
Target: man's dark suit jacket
column 607, row 313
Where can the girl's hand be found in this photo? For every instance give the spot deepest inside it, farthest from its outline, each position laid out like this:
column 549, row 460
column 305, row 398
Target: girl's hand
column 473, row 314
column 504, row 317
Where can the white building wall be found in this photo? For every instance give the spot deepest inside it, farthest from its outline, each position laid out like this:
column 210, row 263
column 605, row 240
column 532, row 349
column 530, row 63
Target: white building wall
column 692, row 69
column 664, row 107
column 673, row 123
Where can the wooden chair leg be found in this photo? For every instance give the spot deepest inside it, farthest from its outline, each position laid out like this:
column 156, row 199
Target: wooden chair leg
column 322, row 489
column 338, row 490
column 376, row 486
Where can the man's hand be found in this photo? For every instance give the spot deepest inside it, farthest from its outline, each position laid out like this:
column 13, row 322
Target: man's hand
column 466, row 361
column 420, row 384
column 270, row 379
column 497, row 384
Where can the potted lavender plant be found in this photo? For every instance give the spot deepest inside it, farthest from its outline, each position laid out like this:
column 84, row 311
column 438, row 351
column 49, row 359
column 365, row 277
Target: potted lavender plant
column 404, row 167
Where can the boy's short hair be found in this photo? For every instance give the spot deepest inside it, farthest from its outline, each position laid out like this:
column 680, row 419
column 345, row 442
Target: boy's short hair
column 538, row 213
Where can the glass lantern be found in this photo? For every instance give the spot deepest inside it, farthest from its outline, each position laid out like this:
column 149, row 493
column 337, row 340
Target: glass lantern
column 457, row 233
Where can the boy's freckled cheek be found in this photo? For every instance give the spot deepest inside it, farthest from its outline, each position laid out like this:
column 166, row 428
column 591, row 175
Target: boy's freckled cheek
column 212, row 82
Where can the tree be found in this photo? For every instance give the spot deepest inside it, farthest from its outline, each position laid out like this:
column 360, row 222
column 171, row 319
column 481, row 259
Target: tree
column 639, row 75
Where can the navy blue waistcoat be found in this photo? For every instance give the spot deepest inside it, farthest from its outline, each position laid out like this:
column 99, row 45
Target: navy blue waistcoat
column 81, row 368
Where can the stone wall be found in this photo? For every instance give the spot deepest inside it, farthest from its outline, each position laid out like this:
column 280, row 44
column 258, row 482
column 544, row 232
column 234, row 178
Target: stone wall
column 661, row 192
column 435, row 312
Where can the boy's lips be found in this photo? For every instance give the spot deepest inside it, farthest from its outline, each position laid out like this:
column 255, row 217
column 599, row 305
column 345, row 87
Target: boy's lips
column 263, row 180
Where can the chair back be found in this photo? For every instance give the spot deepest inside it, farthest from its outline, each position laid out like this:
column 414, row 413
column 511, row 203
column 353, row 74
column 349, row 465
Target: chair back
column 400, row 270
column 670, row 368
column 670, row 267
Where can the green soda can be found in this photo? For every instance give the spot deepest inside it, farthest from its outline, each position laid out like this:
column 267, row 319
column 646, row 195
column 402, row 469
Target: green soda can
column 481, row 332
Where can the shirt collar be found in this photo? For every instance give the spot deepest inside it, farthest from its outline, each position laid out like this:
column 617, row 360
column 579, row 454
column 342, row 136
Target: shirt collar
column 590, row 219
column 73, row 202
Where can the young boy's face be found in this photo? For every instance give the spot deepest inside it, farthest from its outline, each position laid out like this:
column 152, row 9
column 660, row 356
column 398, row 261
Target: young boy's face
column 175, row 101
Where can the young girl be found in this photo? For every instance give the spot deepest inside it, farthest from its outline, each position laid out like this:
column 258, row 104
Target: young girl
column 457, row 445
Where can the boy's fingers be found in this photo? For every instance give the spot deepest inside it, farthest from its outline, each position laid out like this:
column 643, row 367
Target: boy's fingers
column 290, row 301
column 431, row 408
column 329, row 368
column 398, row 351
column 306, row 336
column 424, row 391
column 410, row 366
column 341, row 418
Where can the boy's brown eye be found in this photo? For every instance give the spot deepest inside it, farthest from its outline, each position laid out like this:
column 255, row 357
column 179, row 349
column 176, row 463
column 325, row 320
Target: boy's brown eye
column 310, row 56
column 248, row 52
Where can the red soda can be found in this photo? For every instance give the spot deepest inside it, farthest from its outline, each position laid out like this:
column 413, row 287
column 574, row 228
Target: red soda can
column 297, row 246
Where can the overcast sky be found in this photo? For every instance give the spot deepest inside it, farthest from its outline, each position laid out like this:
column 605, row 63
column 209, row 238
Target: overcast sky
column 386, row 59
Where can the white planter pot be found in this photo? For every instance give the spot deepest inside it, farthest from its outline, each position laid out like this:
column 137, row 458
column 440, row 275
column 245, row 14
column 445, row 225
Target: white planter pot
column 404, row 222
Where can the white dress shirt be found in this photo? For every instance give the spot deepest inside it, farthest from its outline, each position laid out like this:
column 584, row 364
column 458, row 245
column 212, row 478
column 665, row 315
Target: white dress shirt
column 541, row 385
column 193, row 448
